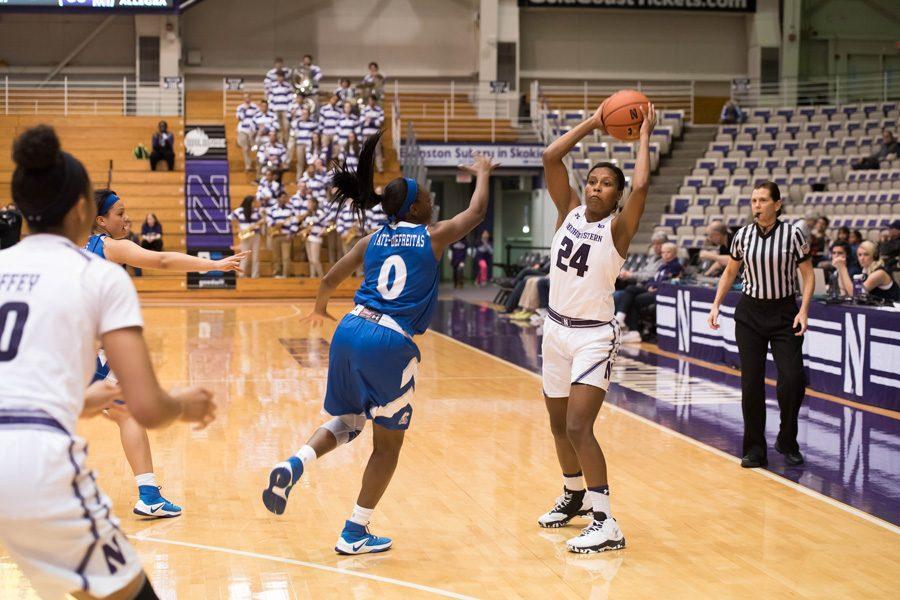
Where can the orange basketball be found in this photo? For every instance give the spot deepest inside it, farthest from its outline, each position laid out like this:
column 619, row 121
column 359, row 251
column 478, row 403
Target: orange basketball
column 622, row 115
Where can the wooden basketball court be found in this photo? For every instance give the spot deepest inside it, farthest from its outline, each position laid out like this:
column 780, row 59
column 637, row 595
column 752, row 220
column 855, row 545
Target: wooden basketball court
column 477, row 470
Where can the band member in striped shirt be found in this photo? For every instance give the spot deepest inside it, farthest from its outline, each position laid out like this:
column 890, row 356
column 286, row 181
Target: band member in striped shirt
column 265, row 121
column 375, row 218
column 279, row 220
column 315, row 73
column 349, row 228
column 375, row 79
column 771, row 251
column 344, row 92
column 318, row 224
column 271, row 73
column 280, row 96
column 371, row 118
column 247, row 221
column 329, row 116
column 348, row 123
column 246, row 129
column 272, row 156
column 350, row 152
column 268, row 189
column 303, row 128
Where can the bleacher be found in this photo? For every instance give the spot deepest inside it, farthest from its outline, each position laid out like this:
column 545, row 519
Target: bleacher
column 797, row 148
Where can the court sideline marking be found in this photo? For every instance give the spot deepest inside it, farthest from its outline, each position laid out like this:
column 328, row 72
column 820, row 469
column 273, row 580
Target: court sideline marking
column 308, row 565
column 733, row 459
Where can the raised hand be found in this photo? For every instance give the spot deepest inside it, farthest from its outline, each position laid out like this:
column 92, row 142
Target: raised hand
column 649, row 122
column 481, row 165
column 597, row 118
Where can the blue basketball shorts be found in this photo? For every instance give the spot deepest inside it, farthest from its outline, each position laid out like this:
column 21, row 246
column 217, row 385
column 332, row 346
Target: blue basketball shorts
column 371, row 372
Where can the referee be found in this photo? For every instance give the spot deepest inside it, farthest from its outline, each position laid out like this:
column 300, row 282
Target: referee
column 771, row 252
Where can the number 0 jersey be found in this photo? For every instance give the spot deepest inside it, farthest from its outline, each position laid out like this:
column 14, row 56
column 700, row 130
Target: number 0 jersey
column 56, row 300
column 584, row 265
column 401, row 276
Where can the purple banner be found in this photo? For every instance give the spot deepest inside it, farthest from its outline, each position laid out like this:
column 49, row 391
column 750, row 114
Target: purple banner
column 207, row 205
column 849, row 351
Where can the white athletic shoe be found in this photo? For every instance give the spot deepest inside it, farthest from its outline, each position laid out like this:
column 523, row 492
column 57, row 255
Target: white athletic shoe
column 568, row 506
column 598, row 537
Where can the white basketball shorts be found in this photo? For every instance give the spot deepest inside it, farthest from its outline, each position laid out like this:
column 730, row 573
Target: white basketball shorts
column 577, row 355
column 55, row 522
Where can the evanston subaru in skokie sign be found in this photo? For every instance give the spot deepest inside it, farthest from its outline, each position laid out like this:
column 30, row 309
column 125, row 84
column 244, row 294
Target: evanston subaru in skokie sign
column 508, row 155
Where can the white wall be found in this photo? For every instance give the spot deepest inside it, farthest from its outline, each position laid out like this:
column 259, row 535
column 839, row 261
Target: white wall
column 38, row 42
column 412, row 38
column 614, row 44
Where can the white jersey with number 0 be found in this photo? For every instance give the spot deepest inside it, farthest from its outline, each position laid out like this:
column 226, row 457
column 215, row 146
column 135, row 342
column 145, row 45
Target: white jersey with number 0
column 584, row 265
column 56, row 300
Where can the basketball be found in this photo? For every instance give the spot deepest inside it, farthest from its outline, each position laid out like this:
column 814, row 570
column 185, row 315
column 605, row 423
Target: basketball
column 622, row 115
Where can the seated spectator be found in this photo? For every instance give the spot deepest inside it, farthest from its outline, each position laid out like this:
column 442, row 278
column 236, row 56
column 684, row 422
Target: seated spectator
column 855, row 240
column 648, row 270
column 818, row 239
column 540, row 269
column 732, row 114
column 151, row 233
column 715, row 255
column 637, row 297
column 843, row 235
column 484, row 258
column 841, row 258
column 344, row 92
column 874, row 280
column 131, row 236
column 10, row 226
column 163, row 147
column 375, row 80
column 890, row 248
column 888, row 147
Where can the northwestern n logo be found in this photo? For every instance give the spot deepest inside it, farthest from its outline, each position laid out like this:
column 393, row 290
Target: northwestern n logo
column 854, row 353
column 112, row 552
column 683, row 324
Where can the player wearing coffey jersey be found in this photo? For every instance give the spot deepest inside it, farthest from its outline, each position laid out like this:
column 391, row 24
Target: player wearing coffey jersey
column 56, row 302
column 581, row 334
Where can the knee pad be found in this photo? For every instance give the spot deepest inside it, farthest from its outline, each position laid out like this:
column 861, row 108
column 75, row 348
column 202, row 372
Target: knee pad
column 346, row 427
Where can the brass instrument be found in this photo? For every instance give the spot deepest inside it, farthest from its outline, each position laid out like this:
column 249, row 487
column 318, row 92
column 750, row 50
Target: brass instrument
column 301, row 78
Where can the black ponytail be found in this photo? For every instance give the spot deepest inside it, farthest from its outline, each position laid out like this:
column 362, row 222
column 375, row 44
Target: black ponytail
column 359, row 186
column 247, row 207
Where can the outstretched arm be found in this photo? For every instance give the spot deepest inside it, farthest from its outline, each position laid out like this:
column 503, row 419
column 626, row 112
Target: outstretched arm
column 555, row 172
column 626, row 224
column 341, row 270
column 444, row 233
column 129, row 253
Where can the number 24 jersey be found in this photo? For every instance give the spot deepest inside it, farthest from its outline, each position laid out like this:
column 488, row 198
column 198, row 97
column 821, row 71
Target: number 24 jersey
column 584, row 265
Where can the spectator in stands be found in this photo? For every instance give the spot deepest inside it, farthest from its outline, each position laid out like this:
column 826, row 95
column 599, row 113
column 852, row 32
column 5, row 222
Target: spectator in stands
column 265, row 121
column 246, row 129
column 843, row 235
column 458, row 250
column 732, row 114
column 315, row 73
column 329, row 116
column 269, row 189
column 344, row 92
column 303, row 128
column 648, row 269
column 375, row 217
column 280, row 97
column 484, row 258
column 818, row 239
column 715, row 256
column 132, row 237
column 376, row 80
column 890, row 248
column 875, row 279
column 855, row 240
column 350, row 153
column 163, row 147
column 348, row 123
column 10, row 226
column 842, row 258
column 371, row 118
column 538, row 269
column 888, row 147
column 271, row 74
column 272, row 156
column 279, row 220
column 151, row 233
column 247, row 222
column 808, row 223
column 638, row 297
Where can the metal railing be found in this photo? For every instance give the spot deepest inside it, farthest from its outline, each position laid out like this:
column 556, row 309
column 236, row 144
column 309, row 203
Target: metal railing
column 588, row 96
column 872, row 87
column 71, row 96
column 412, row 162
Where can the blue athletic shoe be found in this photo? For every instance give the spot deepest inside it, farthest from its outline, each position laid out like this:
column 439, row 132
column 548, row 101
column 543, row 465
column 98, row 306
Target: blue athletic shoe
column 356, row 539
column 151, row 504
column 281, row 480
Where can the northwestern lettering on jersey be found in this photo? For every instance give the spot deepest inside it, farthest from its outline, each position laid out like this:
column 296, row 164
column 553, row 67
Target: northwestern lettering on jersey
column 583, row 235
column 400, row 240
column 18, row 282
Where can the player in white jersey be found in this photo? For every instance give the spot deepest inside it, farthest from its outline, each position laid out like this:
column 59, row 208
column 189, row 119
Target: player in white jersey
column 56, row 302
column 581, row 334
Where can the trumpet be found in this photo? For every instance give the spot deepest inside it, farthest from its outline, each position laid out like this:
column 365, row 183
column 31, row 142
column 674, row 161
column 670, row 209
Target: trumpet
column 351, row 234
column 248, row 233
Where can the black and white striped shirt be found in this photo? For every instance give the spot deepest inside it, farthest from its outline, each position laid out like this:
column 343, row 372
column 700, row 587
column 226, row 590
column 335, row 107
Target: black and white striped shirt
column 771, row 259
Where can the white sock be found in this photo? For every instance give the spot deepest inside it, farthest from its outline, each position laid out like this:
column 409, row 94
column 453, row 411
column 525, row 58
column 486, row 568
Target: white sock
column 600, row 502
column 573, row 483
column 361, row 516
column 307, row 455
column 620, row 317
column 146, row 479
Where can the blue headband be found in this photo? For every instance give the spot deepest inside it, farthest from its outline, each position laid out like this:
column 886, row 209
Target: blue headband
column 412, row 190
column 108, row 203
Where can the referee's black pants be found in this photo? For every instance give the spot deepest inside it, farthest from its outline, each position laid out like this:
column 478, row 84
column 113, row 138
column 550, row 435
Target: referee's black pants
column 757, row 323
